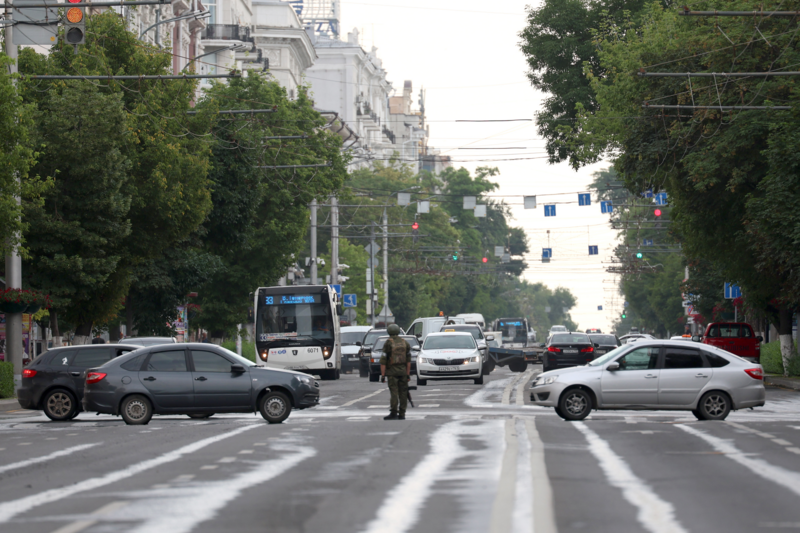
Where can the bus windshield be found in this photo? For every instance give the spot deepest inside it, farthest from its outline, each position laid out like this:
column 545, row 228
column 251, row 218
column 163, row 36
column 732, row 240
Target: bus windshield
column 513, row 329
column 294, row 319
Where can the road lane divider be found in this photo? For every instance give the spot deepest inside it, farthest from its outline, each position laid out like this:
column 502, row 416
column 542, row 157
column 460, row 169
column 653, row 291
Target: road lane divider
column 370, row 395
column 10, row 509
column 778, row 475
column 502, row 510
column 44, row 458
column 653, row 513
column 80, row 525
column 544, row 520
column 526, row 377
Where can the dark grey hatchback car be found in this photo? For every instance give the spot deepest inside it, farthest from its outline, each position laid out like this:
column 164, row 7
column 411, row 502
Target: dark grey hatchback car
column 54, row 381
column 195, row 379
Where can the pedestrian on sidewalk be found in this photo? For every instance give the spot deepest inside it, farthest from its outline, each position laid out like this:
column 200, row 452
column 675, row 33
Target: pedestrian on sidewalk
column 396, row 365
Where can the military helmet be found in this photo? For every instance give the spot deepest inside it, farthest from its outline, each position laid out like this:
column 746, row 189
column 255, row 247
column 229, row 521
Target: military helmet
column 393, row 329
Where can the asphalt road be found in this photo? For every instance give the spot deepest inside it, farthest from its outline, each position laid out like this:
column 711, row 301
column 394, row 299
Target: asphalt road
column 469, row 458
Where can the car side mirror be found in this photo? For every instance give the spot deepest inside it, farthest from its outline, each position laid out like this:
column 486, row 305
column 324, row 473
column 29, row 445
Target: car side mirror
column 490, row 337
column 237, row 369
column 612, row 366
column 760, row 338
column 697, row 338
column 358, row 343
column 339, row 309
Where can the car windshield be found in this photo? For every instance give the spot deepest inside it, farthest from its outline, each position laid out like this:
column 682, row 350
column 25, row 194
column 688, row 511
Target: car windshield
column 603, row 359
column 238, row 358
column 476, row 332
column 378, row 346
column 449, row 342
column 570, row 338
column 606, row 340
column 148, row 342
column 349, row 338
column 372, row 336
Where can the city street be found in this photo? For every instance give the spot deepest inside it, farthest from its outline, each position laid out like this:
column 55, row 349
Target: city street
column 468, row 458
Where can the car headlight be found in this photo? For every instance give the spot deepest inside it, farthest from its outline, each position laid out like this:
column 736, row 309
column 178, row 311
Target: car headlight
column 549, row 379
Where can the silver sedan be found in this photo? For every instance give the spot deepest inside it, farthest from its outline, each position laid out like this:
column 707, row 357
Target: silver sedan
column 658, row 375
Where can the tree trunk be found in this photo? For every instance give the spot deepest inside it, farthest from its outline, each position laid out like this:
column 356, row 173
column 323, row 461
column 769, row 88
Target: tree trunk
column 57, row 340
column 785, row 334
column 83, row 334
column 128, row 317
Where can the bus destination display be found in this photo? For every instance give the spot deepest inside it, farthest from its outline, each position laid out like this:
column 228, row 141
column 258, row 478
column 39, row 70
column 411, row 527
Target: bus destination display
column 293, row 299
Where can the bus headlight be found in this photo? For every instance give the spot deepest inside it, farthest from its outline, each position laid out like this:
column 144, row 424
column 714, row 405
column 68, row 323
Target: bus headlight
column 327, row 352
column 264, row 355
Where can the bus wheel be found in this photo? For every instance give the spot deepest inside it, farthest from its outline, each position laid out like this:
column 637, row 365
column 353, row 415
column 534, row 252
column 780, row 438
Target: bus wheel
column 336, row 374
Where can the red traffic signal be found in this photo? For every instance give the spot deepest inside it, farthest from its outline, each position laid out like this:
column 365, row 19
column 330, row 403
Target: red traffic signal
column 485, row 259
column 415, row 226
column 657, row 212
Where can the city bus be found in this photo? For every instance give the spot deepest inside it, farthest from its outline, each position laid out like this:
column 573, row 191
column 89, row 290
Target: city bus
column 297, row 328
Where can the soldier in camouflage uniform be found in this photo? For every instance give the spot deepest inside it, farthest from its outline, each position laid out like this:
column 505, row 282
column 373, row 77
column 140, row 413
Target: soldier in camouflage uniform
column 396, row 365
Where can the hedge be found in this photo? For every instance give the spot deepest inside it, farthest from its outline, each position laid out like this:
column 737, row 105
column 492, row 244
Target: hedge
column 6, row 380
column 248, row 348
column 772, row 362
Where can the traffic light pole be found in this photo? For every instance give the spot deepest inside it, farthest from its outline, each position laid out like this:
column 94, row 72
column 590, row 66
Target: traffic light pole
column 13, row 350
column 334, row 240
column 385, row 262
column 371, row 294
column 314, row 280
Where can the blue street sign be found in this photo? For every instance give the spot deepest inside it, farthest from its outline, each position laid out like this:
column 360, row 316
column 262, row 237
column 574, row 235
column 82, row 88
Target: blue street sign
column 547, row 253
column 338, row 289
column 599, row 307
column 647, row 242
column 350, row 300
column 648, row 193
column 585, row 199
column 593, row 250
column 732, row 291
column 661, row 198
column 606, row 207
column 550, row 210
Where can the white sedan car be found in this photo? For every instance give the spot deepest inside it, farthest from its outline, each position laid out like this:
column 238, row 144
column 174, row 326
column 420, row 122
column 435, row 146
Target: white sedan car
column 449, row 356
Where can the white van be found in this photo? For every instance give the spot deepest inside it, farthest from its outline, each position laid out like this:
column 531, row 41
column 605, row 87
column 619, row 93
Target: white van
column 473, row 318
column 421, row 327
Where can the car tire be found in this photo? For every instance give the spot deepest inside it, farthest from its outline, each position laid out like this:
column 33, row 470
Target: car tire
column 478, row 381
column 373, row 377
column 575, row 404
column 714, row 405
column 422, row 382
column 517, row 366
column 201, row 415
column 560, row 413
column 60, row 405
column 697, row 414
column 136, row 410
column 275, row 407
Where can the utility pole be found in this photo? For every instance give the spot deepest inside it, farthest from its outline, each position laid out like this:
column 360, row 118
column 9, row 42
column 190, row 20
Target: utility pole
column 13, row 260
column 371, row 295
column 385, row 263
column 314, row 279
column 334, row 240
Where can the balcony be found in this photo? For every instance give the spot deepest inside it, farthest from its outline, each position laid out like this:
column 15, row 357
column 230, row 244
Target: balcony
column 224, row 32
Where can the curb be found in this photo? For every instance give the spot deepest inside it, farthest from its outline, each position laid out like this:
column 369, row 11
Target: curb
column 786, row 383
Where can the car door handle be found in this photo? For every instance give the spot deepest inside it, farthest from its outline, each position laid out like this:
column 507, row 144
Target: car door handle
column 75, row 373
column 701, row 375
column 201, row 378
column 150, row 378
column 650, row 376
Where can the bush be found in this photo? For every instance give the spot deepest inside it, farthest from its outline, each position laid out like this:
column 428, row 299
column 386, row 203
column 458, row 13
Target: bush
column 248, row 348
column 6, row 380
column 772, row 362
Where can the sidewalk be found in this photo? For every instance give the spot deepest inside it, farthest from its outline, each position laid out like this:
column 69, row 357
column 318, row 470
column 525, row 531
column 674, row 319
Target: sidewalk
column 10, row 404
column 775, row 380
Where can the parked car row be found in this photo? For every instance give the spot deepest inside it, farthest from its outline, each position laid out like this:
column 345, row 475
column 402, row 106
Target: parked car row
column 195, row 379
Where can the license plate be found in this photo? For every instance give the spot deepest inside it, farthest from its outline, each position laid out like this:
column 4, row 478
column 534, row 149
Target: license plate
column 570, row 351
column 448, row 368
column 354, row 358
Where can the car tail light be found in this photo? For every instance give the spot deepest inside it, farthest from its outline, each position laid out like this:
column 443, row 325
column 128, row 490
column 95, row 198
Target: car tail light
column 553, row 349
column 94, row 377
column 28, row 372
column 588, row 349
column 755, row 373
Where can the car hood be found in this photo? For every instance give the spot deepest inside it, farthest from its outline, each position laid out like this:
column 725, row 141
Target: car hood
column 570, row 370
column 447, row 354
column 350, row 349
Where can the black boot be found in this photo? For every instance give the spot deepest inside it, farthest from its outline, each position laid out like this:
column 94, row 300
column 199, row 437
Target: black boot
column 401, row 417
column 392, row 416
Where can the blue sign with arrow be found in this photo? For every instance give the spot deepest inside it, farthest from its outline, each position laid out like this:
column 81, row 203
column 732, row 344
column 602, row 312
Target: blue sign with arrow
column 350, row 300
column 338, row 289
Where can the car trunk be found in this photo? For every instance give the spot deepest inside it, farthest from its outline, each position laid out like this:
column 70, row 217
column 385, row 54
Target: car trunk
column 570, row 354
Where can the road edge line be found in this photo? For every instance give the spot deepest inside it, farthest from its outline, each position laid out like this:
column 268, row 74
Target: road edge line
column 544, row 520
column 503, row 507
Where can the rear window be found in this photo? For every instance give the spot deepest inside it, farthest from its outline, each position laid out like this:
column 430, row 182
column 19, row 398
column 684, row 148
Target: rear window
column 91, row 357
column 727, row 331
column 675, row 358
column 412, row 341
column 570, row 338
column 715, row 361
column 449, row 342
column 62, row 358
column 606, row 340
column 349, row 338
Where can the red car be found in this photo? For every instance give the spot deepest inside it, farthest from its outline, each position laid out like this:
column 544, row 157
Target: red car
column 735, row 337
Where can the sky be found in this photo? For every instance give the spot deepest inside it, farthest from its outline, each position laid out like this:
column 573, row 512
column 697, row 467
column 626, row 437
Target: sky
column 465, row 55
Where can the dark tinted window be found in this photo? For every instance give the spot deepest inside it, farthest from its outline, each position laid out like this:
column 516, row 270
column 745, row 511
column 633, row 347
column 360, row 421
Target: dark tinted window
column 87, row 358
column 172, row 361
column 123, row 351
column 63, row 358
column 682, row 358
column 715, row 361
column 570, row 338
column 372, row 336
column 605, row 340
column 639, row 359
column 210, row 362
column 135, row 363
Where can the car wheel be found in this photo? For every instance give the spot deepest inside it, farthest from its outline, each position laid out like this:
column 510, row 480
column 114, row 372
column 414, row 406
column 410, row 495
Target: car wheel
column 422, row 382
column 201, row 415
column 275, row 407
column 560, row 413
column 575, row 404
column 136, row 410
column 373, row 377
column 517, row 366
column 60, row 405
column 478, row 381
column 697, row 414
column 714, row 405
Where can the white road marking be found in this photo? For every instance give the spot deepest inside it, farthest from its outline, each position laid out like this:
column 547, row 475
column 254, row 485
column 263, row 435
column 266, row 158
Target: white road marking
column 227, row 460
column 358, row 418
column 12, row 508
column 43, row 458
column 245, row 452
column 522, row 516
column 260, row 444
column 781, row 476
column 782, row 442
column 429, row 405
column 520, row 399
column 208, row 467
column 24, row 444
column 160, row 486
column 327, row 407
column 507, row 391
column 184, row 477
column 502, row 510
column 376, row 407
column 544, row 520
column 654, row 514
column 80, row 525
column 370, row 395
column 793, row 450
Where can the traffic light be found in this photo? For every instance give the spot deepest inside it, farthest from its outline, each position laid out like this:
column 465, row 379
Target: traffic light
column 485, row 259
column 415, row 231
column 455, row 256
column 415, row 226
column 75, row 25
column 639, row 255
column 657, row 212
column 624, row 315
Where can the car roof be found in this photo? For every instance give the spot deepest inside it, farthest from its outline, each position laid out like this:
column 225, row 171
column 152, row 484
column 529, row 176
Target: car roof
column 446, row 333
column 464, row 326
column 686, row 344
column 92, row 347
column 154, row 337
